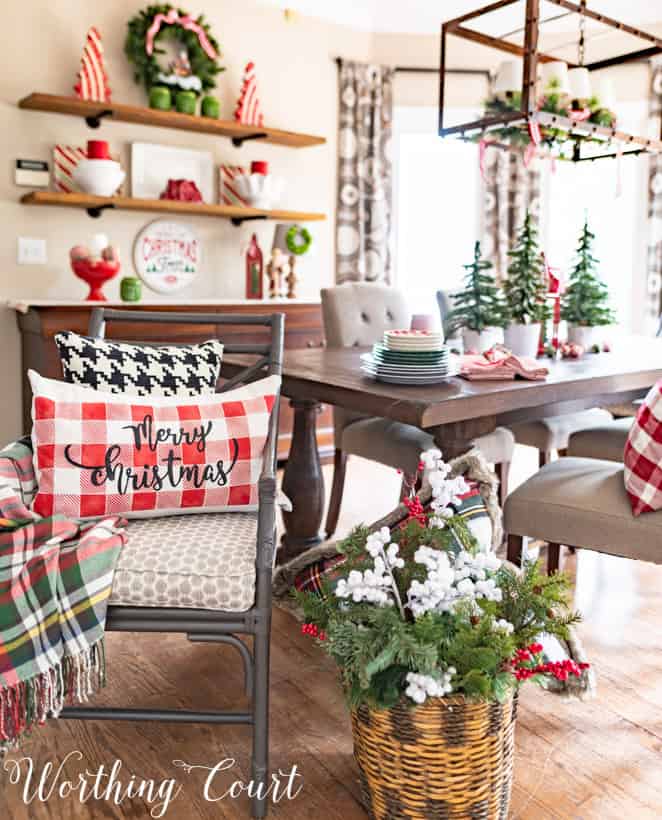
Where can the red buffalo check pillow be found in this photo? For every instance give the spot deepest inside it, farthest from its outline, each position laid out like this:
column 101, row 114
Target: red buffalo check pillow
column 102, row 453
column 642, row 459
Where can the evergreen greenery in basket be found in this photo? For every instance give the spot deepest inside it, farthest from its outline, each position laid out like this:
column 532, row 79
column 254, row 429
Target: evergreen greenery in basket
column 525, row 288
column 480, row 304
column 586, row 299
column 424, row 613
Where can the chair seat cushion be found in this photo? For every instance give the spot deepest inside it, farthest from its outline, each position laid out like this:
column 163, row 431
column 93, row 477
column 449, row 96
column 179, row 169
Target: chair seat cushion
column 387, row 442
column 553, row 433
column 582, row 502
column 606, row 441
column 202, row 561
column 400, row 445
column 497, row 446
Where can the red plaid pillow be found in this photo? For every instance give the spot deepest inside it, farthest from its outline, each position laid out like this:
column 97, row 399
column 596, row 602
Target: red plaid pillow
column 642, row 458
column 102, row 454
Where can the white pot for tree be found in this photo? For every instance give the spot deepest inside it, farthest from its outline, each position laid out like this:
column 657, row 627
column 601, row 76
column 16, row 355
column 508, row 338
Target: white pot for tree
column 523, row 340
column 587, row 336
column 483, row 340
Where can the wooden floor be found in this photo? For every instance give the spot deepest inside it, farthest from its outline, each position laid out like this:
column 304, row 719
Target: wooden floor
column 591, row 761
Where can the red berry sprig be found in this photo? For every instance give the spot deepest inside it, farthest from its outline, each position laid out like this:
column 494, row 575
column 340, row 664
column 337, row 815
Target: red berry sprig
column 416, row 510
column 313, row 632
column 527, row 663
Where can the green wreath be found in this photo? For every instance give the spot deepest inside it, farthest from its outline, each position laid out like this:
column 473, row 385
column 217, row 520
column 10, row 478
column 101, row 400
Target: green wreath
column 298, row 240
column 196, row 41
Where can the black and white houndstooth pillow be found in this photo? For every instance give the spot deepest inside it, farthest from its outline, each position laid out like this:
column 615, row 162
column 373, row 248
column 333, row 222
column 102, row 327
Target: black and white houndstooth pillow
column 118, row 367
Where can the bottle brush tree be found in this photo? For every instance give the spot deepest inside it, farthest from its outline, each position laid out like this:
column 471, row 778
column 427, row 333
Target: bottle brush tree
column 586, row 300
column 525, row 286
column 479, row 304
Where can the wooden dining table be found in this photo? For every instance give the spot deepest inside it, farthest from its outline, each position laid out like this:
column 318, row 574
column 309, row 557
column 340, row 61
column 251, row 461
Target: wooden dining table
column 455, row 411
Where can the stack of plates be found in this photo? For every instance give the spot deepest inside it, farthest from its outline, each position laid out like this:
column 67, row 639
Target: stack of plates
column 409, row 357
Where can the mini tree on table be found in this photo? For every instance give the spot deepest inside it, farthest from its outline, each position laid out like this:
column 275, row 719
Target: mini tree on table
column 586, row 300
column 480, row 304
column 525, row 287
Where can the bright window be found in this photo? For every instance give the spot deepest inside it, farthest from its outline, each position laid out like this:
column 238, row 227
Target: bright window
column 436, row 213
column 573, row 191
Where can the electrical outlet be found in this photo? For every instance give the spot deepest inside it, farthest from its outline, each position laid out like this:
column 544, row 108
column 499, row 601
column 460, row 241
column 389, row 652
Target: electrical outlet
column 31, row 251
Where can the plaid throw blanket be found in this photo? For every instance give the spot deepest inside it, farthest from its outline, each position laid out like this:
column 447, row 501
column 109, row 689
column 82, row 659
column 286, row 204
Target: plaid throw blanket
column 55, row 580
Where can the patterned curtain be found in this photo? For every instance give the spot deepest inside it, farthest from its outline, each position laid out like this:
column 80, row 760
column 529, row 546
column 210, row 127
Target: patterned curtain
column 654, row 263
column 363, row 232
column 510, row 189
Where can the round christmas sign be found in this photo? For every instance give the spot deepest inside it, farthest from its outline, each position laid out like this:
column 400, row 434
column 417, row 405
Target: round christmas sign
column 166, row 255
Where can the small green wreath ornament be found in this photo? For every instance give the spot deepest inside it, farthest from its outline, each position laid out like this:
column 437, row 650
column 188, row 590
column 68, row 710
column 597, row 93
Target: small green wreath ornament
column 298, row 240
column 196, row 65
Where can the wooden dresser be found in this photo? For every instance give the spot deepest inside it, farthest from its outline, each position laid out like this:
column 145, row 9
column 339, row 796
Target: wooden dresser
column 39, row 321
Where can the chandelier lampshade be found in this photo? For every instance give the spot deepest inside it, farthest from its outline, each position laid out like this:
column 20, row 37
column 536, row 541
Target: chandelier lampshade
column 555, row 77
column 508, row 77
column 579, row 81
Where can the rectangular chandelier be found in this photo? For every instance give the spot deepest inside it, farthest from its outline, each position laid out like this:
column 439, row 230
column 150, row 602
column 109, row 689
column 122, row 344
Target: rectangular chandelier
column 544, row 101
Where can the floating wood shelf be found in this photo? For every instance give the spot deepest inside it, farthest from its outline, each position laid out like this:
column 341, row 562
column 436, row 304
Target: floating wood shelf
column 94, row 112
column 95, row 205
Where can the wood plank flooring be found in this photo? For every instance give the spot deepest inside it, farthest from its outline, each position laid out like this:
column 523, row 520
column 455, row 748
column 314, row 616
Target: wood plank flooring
column 595, row 760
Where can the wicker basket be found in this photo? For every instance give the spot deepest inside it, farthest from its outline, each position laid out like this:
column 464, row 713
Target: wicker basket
column 450, row 758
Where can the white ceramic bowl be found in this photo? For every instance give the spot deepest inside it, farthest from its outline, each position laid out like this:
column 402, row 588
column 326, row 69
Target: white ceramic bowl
column 101, row 177
column 260, row 190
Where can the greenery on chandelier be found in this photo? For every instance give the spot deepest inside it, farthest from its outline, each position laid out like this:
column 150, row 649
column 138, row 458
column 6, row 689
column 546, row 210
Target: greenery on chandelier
column 422, row 611
column 586, row 299
column 525, row 286
column 480, row 304
column 554, row 101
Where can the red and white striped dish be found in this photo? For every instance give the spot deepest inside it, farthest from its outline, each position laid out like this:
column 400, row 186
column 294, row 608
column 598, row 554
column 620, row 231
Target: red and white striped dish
column 414, row 340
column 65, row 160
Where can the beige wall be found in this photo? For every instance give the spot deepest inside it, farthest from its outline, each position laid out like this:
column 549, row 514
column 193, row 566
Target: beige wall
column 297, row 80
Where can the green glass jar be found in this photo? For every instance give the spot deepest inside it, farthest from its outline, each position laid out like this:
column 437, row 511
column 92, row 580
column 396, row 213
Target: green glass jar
column 160, row 98
column 131, row 289
column 210, row 107
column 185, row 102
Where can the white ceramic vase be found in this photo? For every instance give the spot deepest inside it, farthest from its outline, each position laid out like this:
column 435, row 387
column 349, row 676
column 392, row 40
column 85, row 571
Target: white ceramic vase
column 101, row 177
column 480, row 342
column 587, row 336
column 523, row 340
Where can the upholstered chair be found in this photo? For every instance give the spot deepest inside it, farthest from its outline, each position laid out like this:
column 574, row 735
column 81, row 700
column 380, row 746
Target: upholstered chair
column 605, row 441
column 548, row 434
column 356, row 315
column 580, row 502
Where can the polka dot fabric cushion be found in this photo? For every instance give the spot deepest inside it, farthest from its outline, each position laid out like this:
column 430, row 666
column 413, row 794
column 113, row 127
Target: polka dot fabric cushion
column 642, row 459
column 204, row 561
column 98, row 454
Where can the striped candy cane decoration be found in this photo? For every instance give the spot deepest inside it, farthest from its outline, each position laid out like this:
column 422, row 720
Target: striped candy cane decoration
column 248, row 109
column 92, row 81
column 65, row 159
column 228, row 175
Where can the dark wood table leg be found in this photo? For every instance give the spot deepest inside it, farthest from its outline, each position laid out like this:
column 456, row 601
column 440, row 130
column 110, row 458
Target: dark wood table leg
column 456, row 438
column 303, row 484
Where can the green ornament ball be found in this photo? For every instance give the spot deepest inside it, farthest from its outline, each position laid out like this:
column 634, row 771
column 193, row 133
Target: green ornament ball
column 210, row 107
column 185, row 102
column 160, row 98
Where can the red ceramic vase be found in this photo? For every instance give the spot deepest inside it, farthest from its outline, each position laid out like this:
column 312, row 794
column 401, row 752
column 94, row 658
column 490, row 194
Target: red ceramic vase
column 95, row 275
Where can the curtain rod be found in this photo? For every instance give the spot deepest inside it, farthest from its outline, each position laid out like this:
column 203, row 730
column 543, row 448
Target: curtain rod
column 414, row 69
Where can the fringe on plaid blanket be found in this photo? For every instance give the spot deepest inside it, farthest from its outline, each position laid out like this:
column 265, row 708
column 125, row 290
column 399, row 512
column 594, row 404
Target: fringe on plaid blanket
column 55, row 581
column 319, row 560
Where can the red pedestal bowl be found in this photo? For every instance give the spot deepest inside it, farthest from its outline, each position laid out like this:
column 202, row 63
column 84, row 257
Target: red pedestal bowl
column 95, row 274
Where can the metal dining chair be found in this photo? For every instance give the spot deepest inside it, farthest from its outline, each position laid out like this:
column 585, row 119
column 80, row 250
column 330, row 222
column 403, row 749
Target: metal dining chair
column 246, row 537
column 356, row 314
